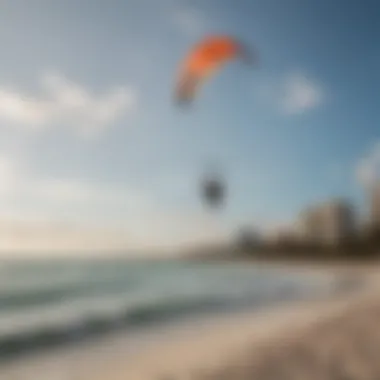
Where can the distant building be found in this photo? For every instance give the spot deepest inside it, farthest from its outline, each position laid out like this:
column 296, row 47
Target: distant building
column 281, row 235
column 338, row 222
column 310, row 226
column 329, row 223
column 374, row 206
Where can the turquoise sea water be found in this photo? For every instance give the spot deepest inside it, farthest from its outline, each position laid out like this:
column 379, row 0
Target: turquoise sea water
column 51, row 303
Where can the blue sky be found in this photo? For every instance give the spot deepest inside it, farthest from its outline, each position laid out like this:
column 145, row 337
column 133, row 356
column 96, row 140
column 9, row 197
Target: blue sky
column 90, row 138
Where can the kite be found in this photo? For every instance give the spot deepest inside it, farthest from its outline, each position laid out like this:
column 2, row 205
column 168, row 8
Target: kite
column 213, row 191
column 204, row 60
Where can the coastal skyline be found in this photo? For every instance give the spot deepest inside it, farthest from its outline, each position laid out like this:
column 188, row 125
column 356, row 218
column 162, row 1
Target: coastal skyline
column 94, row 154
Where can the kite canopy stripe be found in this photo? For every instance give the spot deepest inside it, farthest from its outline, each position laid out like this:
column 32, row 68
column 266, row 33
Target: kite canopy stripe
column 204, row 60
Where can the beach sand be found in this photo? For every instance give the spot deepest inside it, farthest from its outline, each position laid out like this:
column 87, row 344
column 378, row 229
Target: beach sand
column 315, row 339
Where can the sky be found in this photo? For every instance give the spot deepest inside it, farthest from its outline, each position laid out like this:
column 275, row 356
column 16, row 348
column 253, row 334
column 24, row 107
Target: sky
column 94, row 155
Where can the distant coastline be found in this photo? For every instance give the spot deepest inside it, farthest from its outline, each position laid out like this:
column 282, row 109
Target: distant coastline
column 338, row 254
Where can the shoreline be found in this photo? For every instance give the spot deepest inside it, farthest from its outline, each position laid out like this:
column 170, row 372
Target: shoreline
column 203, row 344
column 227, row 340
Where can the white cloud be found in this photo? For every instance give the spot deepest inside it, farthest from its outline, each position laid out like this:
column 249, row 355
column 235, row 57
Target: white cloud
column 300, row 94
column 367, row 171
column 22, row 109
column 295, row 93
column 64, row 102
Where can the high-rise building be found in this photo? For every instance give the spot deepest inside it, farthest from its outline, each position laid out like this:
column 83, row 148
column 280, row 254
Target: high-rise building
column 338, row 221
column 374, row 210
column 329, row 223
column 310, row 226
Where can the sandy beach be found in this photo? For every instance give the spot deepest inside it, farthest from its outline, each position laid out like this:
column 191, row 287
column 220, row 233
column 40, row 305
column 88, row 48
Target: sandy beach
column 297, row 337
column 248, row 346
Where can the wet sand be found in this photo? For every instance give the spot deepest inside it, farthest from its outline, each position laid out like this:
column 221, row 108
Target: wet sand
column 315, row 339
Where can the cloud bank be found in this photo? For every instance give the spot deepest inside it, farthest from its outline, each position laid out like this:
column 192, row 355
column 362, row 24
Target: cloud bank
column 42, row 215
column 64, row 102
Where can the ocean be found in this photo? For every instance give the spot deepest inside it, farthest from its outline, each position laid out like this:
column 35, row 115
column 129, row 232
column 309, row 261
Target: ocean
column 46, row 304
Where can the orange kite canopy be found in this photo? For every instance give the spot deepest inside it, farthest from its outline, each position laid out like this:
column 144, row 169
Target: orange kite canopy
column 204, row 59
